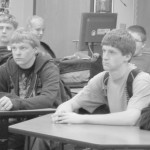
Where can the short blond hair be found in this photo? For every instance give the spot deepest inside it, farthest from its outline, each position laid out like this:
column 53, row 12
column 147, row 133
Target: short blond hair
column 33, row 20
column 23, row 35
column 8, row 18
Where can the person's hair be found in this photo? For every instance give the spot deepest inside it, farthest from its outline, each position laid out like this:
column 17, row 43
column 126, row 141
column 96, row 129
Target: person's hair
column 120, row 39
column 139, row 30
column 8, row 18
column 32, row 20
column 23, row 35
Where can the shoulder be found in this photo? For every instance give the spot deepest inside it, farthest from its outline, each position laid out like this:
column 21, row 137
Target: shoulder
column 48, row 49
column 46, row 46
column 99, row 76
column 97, row 79
column 50, row 68
column 42, row 61
column 10, row 66
column 142, row 78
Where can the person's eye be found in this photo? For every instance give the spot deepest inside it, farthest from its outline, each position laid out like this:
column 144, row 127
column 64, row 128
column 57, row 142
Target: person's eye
column 38, row 30
column 9, row 28
column 13, row 48
column 111, row 52
column 103, row 50
column 23, row 48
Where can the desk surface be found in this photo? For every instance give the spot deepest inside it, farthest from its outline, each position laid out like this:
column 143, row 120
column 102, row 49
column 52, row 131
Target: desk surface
column 95, row 136
column 26, row 112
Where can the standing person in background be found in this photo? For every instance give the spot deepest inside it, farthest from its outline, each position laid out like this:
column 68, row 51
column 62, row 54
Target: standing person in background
column 8, row 25
column 141, row 59
column 36, row 25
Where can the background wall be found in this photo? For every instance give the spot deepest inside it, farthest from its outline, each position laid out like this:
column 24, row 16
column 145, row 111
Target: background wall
column 62, row 23
column 21, row 9
column 63, row 18
column 125, row 12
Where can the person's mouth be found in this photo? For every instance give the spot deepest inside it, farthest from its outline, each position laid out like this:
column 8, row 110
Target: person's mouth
column 18, row 59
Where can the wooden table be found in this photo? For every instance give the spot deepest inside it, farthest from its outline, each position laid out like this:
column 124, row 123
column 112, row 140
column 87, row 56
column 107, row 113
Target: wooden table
column 94, row 136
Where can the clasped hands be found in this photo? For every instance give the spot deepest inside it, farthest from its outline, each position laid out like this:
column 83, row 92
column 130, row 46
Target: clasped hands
column 5, row 104
column 67, row 117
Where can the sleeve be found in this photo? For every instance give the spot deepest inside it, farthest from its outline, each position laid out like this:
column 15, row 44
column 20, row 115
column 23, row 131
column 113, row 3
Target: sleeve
column 49, row 92
column 141, row 92
column 92, row 95
column 4, row 79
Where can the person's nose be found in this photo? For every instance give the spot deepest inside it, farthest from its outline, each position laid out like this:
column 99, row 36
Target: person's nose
column 105, row 55
column 17, row 51
column 41, row 32
column 4, row 30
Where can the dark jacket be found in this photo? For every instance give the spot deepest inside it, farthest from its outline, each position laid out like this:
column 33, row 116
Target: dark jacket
column 4, row 54
column 44, row 88
column 48, row 49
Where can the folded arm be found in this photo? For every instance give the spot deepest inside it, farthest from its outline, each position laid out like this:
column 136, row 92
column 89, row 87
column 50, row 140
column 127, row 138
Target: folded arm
column 128, row 117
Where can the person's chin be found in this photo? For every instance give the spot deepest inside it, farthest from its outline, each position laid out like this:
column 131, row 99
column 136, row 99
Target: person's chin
column 18, row 62
column 106, row 68
column 40, row 38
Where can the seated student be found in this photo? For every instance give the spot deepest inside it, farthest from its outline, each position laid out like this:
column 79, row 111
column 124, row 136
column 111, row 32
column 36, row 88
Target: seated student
column 140, row 58
column 118, row 47
column 8, row 25
column 28, row 80
column 36, row 25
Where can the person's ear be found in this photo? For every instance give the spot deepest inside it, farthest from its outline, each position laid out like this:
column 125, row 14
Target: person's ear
column 35, row 50
column 128, row 57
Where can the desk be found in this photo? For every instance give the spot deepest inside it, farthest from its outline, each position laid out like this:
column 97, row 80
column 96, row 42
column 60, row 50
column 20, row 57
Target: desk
column 94, row 136
column 32, row 112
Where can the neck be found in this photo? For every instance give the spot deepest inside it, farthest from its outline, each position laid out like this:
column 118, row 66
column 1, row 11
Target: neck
column 115, row 74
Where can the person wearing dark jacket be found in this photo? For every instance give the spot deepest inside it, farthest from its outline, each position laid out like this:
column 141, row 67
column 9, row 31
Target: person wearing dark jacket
column 8, row 25
column 36, row 25
column 28, row 80
column 42, row 89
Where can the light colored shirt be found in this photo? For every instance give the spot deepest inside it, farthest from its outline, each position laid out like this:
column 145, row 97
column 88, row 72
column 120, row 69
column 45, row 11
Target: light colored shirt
column 93, row 95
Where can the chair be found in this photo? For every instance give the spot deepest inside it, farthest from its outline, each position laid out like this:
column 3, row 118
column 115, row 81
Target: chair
column 5, row 115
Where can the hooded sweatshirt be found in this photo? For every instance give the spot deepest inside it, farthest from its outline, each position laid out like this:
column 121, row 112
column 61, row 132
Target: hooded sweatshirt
column 44, row 88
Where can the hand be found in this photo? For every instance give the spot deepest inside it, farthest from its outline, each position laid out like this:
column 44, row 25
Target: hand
column 5, row 104
column 67, row 117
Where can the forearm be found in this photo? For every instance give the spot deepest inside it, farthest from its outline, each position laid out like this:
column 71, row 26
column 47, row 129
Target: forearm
column 129, row 117
column 68, row 106
column 36, row 102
